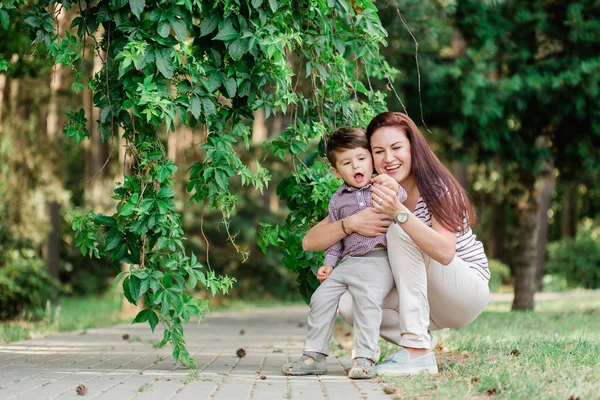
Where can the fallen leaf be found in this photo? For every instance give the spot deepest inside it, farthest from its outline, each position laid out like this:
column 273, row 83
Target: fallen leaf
column 514, row 352
column 81, row 390
column 387, row 389
column 126, row 337
column 263, row 377
column 571, row 397
column 569, row 347
column 240, row 353
column 492, row 391
column 474, row 379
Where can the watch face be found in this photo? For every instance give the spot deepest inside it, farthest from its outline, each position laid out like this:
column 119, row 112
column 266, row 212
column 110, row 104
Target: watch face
column 402, row 217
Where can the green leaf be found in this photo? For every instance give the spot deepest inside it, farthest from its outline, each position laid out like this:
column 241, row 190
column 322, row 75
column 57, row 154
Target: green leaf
column 163, row 62
column 209, row 24
column 230, row 87
column 213, row 82
column 152, row 319
column 127, row 210
column 164, row 28
column 142, row 316
column 127, row 291
column 257, row 3
column 113, row 239
column 4, row 19
column 222, row 180
column 166, row 192
column 179, row 28
column 162, row 206
column 209, row 106
column 134, row 287
column 228, row 32
column 105, row 220
column 195, row 107
column 273, row 5
column 137, row 6
column 118, row 278
column 238, row 48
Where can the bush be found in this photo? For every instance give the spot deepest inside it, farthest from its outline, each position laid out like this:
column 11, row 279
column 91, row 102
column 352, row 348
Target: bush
column 577, row 259
column 499, row 274
column 25, row 285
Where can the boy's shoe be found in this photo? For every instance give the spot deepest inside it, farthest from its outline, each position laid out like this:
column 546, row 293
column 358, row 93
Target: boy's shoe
column 363, row 368
column 306, row 365
column 401, row 364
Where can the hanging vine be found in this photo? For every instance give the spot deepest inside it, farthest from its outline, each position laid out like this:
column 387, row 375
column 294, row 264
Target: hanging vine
column 208, row 63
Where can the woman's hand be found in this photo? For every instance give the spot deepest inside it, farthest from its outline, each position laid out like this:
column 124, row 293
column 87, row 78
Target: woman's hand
column 385, row 200
column 368, row 222
column 387, row 181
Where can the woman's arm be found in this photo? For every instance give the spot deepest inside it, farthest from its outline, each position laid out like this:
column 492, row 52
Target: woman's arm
column 368, row 222
column 437, row 242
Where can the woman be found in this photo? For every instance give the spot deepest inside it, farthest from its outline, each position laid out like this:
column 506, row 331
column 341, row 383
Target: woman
column 440, row 270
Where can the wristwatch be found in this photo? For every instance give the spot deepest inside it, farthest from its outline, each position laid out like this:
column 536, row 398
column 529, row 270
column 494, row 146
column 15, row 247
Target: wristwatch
column 401, row 217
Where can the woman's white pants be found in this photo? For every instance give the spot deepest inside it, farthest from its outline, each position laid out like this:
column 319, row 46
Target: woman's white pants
column 428, row 295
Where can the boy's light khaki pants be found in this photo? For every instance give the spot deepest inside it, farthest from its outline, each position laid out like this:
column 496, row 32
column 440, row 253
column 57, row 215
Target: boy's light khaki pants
column 428, row 295
column 368, row 279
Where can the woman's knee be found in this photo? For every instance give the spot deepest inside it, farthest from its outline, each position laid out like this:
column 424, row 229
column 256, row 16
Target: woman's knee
column 345, row 308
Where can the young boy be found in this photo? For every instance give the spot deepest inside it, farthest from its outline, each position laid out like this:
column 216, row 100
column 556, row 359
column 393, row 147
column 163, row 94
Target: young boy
column 357, row 264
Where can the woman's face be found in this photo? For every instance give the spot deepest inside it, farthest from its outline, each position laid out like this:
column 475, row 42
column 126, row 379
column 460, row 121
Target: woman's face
column 391, row 153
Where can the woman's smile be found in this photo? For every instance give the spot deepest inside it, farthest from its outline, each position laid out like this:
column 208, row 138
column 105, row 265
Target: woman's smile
column 391, row 153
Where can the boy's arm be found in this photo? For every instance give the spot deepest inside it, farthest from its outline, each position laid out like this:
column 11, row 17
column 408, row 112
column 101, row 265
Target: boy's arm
column 401, row 194
column 334, row 253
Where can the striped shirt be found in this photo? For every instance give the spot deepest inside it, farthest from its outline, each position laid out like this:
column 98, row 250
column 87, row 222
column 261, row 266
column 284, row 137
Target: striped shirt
column 345, row 202
column 468, row 248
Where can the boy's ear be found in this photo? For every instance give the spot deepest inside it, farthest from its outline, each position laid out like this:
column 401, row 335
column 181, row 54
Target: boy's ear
column 335, row 172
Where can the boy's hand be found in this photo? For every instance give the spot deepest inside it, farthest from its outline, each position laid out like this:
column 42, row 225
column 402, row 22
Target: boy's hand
column 387, row 181
column 323, row 272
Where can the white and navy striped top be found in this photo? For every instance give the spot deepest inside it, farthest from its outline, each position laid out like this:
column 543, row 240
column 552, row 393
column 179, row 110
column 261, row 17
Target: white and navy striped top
column 468, row 248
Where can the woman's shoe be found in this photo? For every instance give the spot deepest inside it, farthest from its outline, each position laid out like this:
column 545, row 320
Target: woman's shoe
column 306, row 365
column 363, row 368
column 401, row 364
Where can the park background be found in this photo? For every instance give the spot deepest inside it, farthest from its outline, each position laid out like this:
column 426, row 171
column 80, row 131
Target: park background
column 505, row 93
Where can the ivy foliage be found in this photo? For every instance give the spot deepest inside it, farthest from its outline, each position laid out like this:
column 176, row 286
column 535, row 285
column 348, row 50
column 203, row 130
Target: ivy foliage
column 209, row 63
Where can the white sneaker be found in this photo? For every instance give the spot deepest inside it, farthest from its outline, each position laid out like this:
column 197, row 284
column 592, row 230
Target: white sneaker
column 400, row 364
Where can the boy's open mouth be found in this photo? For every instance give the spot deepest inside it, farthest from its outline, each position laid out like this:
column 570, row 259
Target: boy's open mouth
column 359, row 177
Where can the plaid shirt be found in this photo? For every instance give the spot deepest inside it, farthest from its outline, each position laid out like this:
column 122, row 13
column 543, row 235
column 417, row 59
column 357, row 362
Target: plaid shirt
column 345, row 202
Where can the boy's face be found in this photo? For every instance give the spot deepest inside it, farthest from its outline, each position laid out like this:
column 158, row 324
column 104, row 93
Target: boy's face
column 354, row 166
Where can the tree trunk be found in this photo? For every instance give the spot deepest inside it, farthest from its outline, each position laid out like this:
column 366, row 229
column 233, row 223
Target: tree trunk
column 2, row 94
column 496, row 249
column 53, row 243
column 569, row 215
column 525, row 263
column 259, row 127
column 545, row 193
column 97, row 189
column 459, row 170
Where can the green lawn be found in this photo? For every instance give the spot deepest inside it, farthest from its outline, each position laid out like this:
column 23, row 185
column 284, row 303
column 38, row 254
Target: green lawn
column 552, row 353
column 73, row 313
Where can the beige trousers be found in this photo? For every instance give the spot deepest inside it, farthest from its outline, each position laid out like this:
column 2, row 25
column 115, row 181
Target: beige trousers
column 366, row 278
column 428, row 295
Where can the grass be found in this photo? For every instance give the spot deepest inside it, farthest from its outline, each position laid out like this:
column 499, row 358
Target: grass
column 552, row 353
column 72, row 314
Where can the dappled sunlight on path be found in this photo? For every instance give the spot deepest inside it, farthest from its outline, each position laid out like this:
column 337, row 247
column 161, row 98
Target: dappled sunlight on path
column 120, row 362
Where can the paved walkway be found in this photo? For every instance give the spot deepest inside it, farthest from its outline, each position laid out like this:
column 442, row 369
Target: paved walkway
column 103, row 365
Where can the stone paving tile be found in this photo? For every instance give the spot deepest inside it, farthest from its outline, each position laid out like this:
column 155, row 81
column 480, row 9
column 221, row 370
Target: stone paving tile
column 113, row 368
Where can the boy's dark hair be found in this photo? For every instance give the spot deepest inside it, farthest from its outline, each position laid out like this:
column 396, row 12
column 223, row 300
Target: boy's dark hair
column 346, row 138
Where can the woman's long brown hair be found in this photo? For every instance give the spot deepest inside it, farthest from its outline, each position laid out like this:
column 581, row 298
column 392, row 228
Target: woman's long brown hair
column 446, row 199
